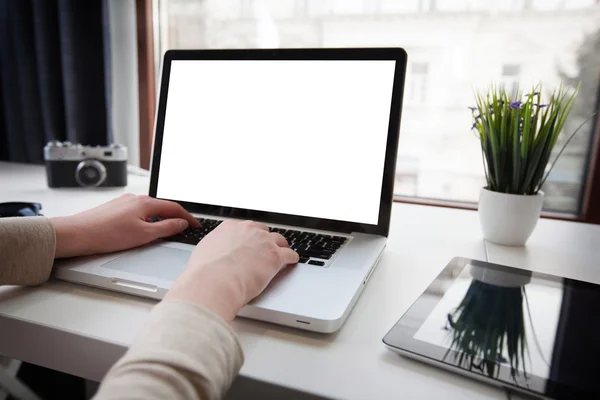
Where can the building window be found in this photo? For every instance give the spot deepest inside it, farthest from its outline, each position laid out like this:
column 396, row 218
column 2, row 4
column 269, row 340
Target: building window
column 427, row 5
column 246, row 8
column 417, row 86
column 510, row 78
column 372, row 6
column 301, row 8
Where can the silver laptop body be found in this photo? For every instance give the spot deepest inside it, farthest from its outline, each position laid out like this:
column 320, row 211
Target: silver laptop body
column 304, row 140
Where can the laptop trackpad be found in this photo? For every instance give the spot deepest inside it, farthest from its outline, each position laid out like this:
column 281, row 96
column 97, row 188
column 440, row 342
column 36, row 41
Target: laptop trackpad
column 158, row 262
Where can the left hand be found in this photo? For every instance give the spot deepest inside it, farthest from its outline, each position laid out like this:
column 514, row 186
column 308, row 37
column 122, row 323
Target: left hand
column 120, row 224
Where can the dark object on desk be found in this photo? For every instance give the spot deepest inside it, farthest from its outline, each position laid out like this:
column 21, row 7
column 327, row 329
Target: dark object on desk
column 20, row 209
column 50, row 384
column 529, row 332
column 69, row 165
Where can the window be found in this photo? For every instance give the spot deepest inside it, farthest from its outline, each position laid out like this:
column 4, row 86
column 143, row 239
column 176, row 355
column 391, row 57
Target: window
column 454, row 47
column 246, row 9
column 417, row 86
column 372, row 6
column 301, row 8
column 510, row 78
column 427, row 5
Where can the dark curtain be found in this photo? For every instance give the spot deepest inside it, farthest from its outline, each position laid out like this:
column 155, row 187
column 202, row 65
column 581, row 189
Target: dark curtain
column 54, row 75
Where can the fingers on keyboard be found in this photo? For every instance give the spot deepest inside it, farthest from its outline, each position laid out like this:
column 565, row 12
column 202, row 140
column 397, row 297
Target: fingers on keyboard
column 313, row 248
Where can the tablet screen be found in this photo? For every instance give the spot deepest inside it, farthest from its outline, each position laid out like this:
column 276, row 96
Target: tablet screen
column 534, row 332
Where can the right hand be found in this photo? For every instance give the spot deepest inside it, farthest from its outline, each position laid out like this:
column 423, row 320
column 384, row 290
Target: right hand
column 231, row 266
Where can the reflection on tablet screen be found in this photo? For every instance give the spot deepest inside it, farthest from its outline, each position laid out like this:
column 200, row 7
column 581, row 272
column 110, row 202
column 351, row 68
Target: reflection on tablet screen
column 535, row 332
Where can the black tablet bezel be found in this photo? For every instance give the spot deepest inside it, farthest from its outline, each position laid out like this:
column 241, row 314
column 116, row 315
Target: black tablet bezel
column 387, row 192
column 401, row 336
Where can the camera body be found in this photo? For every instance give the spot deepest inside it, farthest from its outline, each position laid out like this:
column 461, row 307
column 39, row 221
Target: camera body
column 74, row 165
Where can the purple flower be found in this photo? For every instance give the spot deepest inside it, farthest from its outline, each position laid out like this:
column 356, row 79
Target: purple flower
column 536, row 93
column 542, row 105
column 515, row 104
column 474, row 126
column 473, row 109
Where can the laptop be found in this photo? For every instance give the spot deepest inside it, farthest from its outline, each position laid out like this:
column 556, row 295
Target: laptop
column 304, row 140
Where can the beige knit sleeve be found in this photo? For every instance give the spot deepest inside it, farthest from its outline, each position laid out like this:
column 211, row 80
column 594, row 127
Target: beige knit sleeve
column 183, row 352
column 27, row 246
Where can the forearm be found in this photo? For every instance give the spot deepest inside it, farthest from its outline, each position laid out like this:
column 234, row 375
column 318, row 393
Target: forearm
column 183, row 352
column 68, row 237
column 27, row 246
column 214, row 289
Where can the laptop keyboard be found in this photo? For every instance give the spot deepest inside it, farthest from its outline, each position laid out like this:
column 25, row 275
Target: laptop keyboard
column 313, row 248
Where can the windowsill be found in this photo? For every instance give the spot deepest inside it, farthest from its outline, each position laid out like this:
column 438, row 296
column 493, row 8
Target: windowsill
column 473, row 207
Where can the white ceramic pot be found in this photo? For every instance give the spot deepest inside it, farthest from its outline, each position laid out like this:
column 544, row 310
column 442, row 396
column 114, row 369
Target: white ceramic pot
column 508, row 219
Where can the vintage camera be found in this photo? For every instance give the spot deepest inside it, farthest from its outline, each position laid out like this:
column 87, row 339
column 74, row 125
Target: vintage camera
column 72, row 165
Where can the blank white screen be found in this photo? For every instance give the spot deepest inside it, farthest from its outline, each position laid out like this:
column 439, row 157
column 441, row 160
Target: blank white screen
column 305, row 138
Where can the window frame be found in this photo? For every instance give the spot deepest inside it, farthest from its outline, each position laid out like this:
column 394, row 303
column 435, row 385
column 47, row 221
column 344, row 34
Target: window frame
column 590, row 205
column 591, row 197
column 146, row 78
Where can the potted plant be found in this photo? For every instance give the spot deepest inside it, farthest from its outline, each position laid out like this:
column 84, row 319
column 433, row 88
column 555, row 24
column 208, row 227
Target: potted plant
column 517, row 138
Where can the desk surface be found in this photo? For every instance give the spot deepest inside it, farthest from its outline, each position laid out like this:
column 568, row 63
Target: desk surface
column 83, row 331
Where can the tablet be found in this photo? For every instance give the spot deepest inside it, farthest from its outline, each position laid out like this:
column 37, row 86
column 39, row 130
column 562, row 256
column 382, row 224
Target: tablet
column 527, row 331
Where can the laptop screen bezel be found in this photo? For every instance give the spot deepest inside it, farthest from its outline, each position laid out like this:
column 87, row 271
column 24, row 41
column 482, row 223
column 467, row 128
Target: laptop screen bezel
column 387, row 190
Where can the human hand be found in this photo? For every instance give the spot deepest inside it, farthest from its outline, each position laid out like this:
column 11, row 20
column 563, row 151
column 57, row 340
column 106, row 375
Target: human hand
column 232, row 265
column 120, row 224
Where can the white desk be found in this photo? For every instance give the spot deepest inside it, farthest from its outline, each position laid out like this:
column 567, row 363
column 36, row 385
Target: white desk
column 83, row 331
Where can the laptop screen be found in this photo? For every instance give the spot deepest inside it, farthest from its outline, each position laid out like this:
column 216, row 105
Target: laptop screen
column 300, row 137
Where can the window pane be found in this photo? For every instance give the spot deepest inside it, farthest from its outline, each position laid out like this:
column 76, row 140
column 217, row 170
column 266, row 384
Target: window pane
column 454, row 48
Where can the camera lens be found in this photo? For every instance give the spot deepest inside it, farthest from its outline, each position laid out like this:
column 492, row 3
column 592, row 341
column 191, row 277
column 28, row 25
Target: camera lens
column 90, row 173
